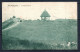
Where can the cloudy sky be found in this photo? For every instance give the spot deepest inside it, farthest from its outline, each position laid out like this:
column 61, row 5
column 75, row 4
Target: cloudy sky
column 33, row 10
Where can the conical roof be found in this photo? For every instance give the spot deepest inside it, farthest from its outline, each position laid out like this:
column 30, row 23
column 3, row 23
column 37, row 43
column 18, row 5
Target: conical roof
column 45, row 14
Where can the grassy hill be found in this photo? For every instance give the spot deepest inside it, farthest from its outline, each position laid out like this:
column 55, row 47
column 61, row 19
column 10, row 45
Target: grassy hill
column 41, row 35
column 7, row 23
column 10, row 22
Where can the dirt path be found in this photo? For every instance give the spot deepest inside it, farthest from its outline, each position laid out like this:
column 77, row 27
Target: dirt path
column 11, row 26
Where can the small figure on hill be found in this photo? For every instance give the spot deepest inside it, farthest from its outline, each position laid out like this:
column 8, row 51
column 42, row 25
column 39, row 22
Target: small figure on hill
column 20, row 20
column 14, row 16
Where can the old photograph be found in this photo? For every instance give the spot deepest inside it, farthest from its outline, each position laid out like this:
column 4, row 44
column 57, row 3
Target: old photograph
column 39, row 26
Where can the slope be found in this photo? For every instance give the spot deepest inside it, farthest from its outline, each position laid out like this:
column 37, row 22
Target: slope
column 47, row 33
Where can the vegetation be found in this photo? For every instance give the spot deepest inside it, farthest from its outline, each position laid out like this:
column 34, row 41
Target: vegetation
column 7, row 23
column 36, row 35
column 14, row 16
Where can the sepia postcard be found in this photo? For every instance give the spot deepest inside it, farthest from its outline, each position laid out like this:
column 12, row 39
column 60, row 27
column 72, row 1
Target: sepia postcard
column 39, row 26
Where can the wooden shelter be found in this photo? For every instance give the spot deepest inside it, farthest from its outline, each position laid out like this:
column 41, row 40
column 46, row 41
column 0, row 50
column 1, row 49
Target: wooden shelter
column 45, row 15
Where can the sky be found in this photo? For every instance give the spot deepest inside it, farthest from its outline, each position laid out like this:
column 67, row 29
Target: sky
column 33, row 10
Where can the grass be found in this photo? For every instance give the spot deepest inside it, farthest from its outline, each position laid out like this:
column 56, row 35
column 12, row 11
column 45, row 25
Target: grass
column 7, row 23
column 38, row 35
